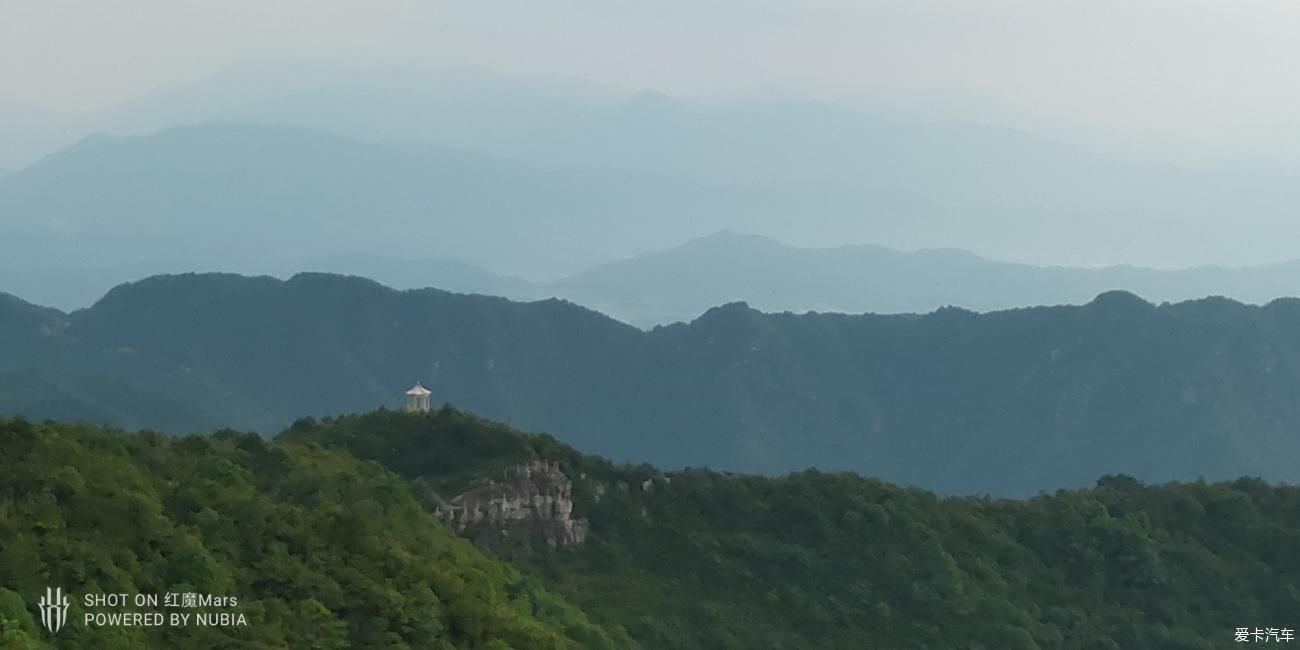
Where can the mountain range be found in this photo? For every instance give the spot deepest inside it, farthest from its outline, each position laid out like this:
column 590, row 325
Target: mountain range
column 546, row 178
column 1008, row 402
column 674, row 284
column 681, row 283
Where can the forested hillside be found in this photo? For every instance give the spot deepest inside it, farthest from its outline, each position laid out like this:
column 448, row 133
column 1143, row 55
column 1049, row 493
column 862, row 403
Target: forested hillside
column 699, row 559
column 1007, row 403
column 320, row 549
column 324, row 549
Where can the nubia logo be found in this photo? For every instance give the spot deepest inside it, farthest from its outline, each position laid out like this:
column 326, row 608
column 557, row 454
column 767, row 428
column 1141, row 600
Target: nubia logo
column 54, row 609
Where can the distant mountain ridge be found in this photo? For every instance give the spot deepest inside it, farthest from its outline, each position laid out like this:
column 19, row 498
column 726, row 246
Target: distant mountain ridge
column 1007, row 402
column 680, row 283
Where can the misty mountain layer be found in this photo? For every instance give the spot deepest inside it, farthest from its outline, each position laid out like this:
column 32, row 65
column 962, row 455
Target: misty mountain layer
column 1007, row 402
column 681, row 283
column 594, row 179
column 261, row 199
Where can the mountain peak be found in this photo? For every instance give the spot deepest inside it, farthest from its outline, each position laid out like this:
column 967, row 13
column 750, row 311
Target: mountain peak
column 325, row 279
column 1118, row 299
column 729, row 312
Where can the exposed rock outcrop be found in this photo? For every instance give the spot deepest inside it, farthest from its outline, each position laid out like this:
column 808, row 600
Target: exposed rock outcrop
column 537, row 496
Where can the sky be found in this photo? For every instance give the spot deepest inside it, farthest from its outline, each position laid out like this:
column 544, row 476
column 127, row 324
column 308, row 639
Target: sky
column 1180, row 79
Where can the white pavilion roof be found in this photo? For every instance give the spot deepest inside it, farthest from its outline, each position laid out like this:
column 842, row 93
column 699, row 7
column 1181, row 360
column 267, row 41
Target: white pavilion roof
column 418, row 389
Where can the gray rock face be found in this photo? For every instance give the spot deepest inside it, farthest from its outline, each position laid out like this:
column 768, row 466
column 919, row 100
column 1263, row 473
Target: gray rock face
column 535, row 496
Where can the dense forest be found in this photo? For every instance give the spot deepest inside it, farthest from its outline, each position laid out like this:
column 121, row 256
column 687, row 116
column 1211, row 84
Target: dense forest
column 702, row 559
column 328, row 549
column 321, row 550
column 1006, row 403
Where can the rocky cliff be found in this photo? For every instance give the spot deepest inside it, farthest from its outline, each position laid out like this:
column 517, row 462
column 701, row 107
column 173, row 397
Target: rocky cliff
column 536, row 497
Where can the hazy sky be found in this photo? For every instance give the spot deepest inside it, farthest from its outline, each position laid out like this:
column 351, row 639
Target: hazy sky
column 1186, row 77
